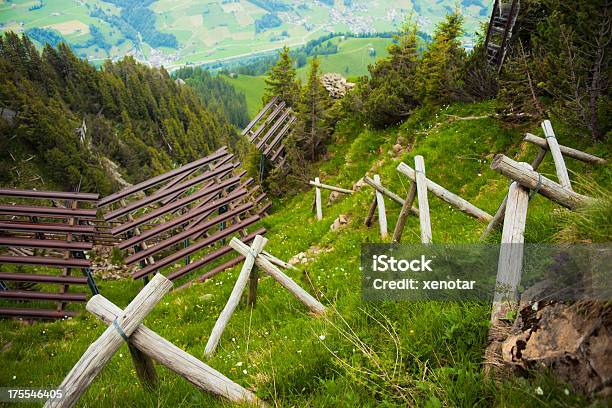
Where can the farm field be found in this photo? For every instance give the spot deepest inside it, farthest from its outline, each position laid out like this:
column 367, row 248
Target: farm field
column 199, row 31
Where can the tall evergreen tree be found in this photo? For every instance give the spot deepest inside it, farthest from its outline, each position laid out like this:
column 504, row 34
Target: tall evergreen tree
column 282, row 81
column 313, row 127
column 440, row 71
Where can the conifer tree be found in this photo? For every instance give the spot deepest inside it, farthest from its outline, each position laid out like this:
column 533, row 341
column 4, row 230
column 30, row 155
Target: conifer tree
column 440, row 70
column 281, row 80
column 313, row 127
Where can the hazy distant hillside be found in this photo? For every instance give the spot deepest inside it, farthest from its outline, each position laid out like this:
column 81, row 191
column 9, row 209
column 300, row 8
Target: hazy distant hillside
column 172, row 33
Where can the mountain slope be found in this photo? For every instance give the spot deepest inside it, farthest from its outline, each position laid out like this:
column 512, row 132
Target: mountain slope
column 361, row 354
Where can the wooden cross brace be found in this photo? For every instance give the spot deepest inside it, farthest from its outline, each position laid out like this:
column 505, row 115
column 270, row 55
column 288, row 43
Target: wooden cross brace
column 255, row 256
column 317, row 204
column 126, row 325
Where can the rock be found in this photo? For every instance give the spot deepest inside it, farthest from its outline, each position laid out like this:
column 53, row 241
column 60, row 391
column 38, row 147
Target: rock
column 340, row 222
column 336, row 85
column 334, row 196
column 397, row 148
column 572, row 341
column 359, row 184
column 297, row 258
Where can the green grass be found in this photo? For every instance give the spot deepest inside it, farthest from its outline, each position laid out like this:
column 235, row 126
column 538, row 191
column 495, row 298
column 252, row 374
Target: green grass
column 253, row 88
column 361, row 354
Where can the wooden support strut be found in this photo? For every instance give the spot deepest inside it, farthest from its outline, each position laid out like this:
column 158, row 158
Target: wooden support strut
column 388, row 193
column 213, row 341
column 403, row 216
column 267, row 266
column 510, row 264
column 382, row 213
column 101, row 351
column 501, row 211
column 318, row 200
column 553, row 145
column 421, row 183
column 184, row 364
column 317, row 183
column 447, row 196
column 535, row 181
column 566, row 151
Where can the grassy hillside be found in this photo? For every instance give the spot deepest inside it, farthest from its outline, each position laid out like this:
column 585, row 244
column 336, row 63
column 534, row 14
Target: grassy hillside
column 353, row 57
column 252, row 87
column 360, row 354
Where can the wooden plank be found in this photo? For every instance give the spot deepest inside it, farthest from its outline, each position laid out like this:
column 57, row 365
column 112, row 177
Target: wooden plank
column 501, row 211
column 403, row 216
column 44, row 261
column 553, row 145
column 48, row 228
column 48, row 195
column 182, row 363
column 313, row 304
column 535, row 181
column 318, row 200
column 36, row 313
column 566, row 151
column 447, row 196
column 259, row 116
column 161, row 178
column 279, row 136
column 32, row 295
column 232, row 302
column 46, row 212
column 101, row 351
column 421, row 184
column 45, row 243
column 382, row 212
column 317, row 183
column 273, row 129
column 510, row 264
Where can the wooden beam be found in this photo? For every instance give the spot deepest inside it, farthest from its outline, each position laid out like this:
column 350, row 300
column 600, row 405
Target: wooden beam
column 567, row 151
column 382, row 212
column 535, row 181
column 258, row 243
column 553, row 145
column 386, row 192
column 447, row 196
column 317, row 183
column 403, row 216
column 100, row 352
column 318, row 201
column 421, row 184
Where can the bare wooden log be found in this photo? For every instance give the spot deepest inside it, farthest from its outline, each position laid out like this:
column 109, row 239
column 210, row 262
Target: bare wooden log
column 100, row 352
column 406, row 207
column 250, row 254
column 278, row 262
column 382, row 212
column 510, row 263
column 567, row 151
column 265, row 265
column 371, row 212
column 501, row 211
column 535, row 181
column 553, row 145
column 421, row 183
column 318, row 201
column 253, row 281
column 390, row 194
column 317, row 183
column 447, row 196
column 177, row 360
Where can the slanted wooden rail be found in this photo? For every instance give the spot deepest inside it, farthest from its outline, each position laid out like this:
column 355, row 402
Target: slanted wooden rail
column 317, row 203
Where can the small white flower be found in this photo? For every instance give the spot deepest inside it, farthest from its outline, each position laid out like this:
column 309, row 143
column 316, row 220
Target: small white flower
column 239, row 364
column 233, row 339
column 566, row 391
column 539, row 391
column 244, row 371
column 121, row 355
column 479, row 174
column 322, row 337
column 299, row 351
column 14, row 377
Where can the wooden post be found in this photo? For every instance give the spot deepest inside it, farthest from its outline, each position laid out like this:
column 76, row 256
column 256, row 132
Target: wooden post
column 566, row 151
column 100, row 352
column 177, row 360
column 382, row 212
column 318, row 200
column 145, row 369
column 371, row 212
column 406, row 207
column 510, row 264
column 250, row 254
column 421, row 183
column 265, row 265
column 535, row 181
column 447, row 196
column 553, row 145
column 253, row 281
column 501, row 211
column 388, row 193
